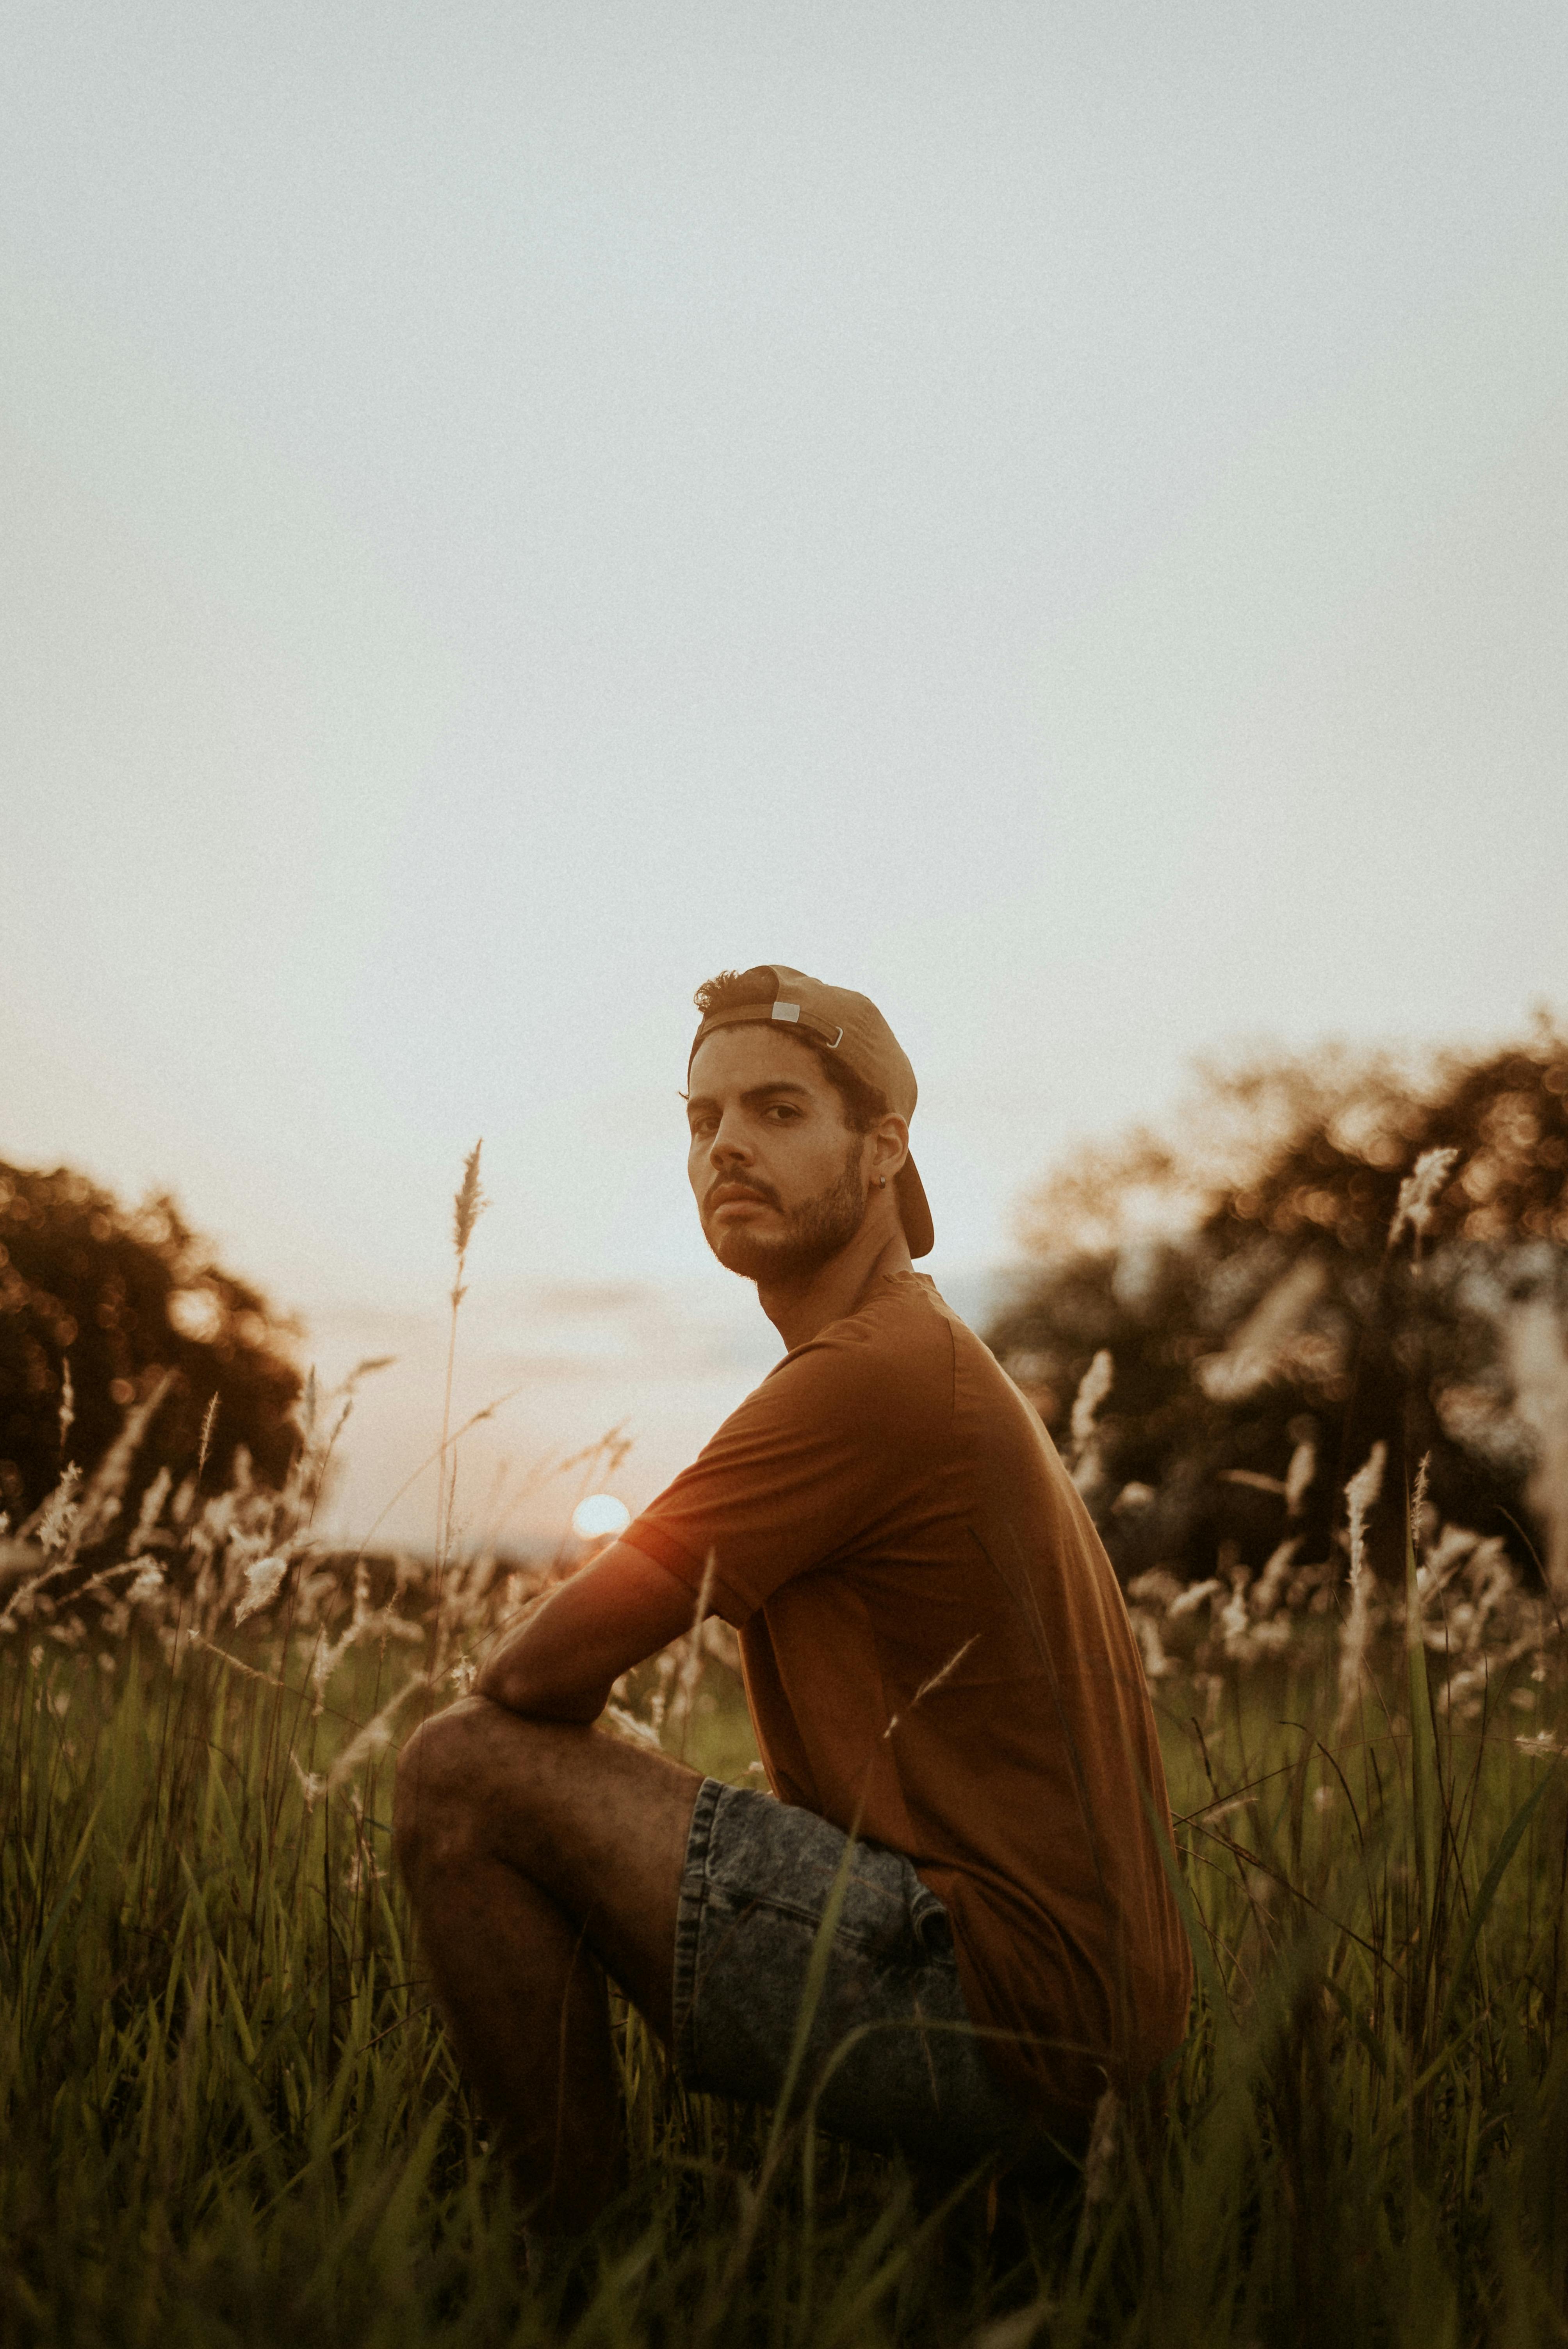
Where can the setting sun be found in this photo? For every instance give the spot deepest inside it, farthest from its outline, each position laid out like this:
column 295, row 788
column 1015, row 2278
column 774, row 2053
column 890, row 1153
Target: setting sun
column 600, row 1514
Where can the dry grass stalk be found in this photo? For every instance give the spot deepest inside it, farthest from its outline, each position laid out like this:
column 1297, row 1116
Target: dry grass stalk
column 1298, row 1476
column 469, row 1204
column 688, row 1673
column 264, row 1580
column 1093, row 1387
column 100, row 1502
column 1418, row 1195
column 1361, row 1496
column 56, row 1521
column 209, row 1421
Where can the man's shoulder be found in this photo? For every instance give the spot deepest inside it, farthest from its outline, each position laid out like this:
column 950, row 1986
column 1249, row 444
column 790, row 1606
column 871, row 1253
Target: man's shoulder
column 894, row 1350
column 899, row 1320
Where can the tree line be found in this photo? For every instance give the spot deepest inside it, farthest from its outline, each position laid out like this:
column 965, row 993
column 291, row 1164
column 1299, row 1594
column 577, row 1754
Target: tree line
column 1231, row 1315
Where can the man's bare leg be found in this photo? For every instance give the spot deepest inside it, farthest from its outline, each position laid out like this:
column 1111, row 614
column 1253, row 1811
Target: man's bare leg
column 538, row 1855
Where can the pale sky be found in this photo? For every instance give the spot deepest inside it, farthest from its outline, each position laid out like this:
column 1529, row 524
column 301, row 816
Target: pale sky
column 1054, row 516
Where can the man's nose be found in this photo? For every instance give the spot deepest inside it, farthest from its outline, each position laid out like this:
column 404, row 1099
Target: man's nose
column 728, row 1143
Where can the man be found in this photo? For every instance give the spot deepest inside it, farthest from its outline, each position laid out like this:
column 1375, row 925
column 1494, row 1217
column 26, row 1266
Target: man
column 967, row 1800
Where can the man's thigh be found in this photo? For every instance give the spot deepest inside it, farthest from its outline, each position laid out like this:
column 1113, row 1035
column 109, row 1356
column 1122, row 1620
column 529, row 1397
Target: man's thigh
column 599, row 1824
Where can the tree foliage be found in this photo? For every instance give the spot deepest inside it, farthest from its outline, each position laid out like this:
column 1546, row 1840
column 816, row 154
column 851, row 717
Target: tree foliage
column 121, row 1298
column 1263, row 1333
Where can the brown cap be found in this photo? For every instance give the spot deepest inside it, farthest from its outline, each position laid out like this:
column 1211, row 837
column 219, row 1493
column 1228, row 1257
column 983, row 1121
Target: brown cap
column 851, row 1026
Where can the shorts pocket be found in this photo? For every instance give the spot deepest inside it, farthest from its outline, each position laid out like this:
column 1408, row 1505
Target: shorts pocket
column 929, row 1922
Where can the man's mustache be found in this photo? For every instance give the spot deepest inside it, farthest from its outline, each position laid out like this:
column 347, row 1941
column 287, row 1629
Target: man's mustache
column 739, row 1189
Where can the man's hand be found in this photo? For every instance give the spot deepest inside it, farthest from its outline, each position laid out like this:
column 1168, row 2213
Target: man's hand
column 561, row 1663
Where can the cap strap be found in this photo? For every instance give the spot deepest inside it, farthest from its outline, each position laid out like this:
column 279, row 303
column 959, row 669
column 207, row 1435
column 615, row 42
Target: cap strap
column 789, row 1013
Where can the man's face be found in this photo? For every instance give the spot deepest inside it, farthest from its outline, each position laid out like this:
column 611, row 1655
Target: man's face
column 780, row 1179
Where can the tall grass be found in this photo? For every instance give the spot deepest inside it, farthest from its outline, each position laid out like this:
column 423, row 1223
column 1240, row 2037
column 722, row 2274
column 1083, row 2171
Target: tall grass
column 228, row 2113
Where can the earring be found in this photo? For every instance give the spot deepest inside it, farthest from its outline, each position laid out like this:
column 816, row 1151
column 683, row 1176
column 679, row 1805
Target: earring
column 881, row 1182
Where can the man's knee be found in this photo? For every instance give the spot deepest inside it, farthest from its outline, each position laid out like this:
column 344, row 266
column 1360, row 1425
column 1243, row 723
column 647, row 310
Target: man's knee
column 440, row 1797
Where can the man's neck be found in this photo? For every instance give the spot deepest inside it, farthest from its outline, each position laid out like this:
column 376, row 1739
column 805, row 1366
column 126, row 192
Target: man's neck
column 799, row 1309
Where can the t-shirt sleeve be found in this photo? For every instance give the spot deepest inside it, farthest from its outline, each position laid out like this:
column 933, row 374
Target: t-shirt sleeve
column 802, row 1474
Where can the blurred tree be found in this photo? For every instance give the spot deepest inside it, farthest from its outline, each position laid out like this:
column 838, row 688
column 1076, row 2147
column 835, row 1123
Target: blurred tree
column 122, row 1298
column 1262, row 1331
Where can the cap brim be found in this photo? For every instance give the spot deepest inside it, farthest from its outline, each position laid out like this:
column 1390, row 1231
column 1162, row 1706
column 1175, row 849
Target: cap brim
column 914, row 1212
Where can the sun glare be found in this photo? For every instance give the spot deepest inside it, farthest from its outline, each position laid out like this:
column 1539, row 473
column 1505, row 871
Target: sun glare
column 600, row 1514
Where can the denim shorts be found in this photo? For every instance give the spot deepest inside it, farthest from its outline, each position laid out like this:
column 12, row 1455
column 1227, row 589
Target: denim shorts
column 891, row 2059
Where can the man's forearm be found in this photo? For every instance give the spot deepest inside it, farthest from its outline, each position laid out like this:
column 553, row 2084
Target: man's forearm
column 561, row 1663
column 525, row 1682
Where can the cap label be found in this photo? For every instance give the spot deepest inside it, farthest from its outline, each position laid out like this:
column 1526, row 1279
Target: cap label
column 786, row 1011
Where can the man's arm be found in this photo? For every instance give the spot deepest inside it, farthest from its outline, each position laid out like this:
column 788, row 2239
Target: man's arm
column 561, row 1663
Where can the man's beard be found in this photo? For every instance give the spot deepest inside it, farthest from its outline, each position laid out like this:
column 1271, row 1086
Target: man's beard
column 813, row 1232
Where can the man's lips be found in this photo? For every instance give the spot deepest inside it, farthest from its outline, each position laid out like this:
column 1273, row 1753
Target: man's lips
column 735, row 1194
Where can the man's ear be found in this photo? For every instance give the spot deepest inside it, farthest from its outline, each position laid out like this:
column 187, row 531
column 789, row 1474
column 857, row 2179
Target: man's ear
column 890, row 1145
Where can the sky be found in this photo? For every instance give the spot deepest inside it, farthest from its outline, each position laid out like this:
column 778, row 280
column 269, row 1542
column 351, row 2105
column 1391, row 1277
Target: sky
column 1051, row 514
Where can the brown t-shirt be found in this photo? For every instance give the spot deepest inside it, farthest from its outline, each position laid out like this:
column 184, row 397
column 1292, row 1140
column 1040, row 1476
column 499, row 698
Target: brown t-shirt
column 937, row 1657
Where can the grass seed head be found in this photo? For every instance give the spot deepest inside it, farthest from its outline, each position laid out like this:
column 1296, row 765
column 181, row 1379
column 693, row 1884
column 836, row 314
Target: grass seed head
column 1419, row 1498
column 469, row 1204
column 1298, row 1476
column 1093, row 1389
column 151, row 1510
column 209, row 1418
column 1361, row 1496
column 264, row 1580
column 1418, row 1193
column 59, row 1516
column 148, row 1585
column 1355, row 1639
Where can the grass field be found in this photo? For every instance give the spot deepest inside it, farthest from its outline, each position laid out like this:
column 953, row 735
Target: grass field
column 228, row 2114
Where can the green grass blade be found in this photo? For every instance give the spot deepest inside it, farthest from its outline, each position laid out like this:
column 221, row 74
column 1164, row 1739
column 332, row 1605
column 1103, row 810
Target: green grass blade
column 1512, row 1836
